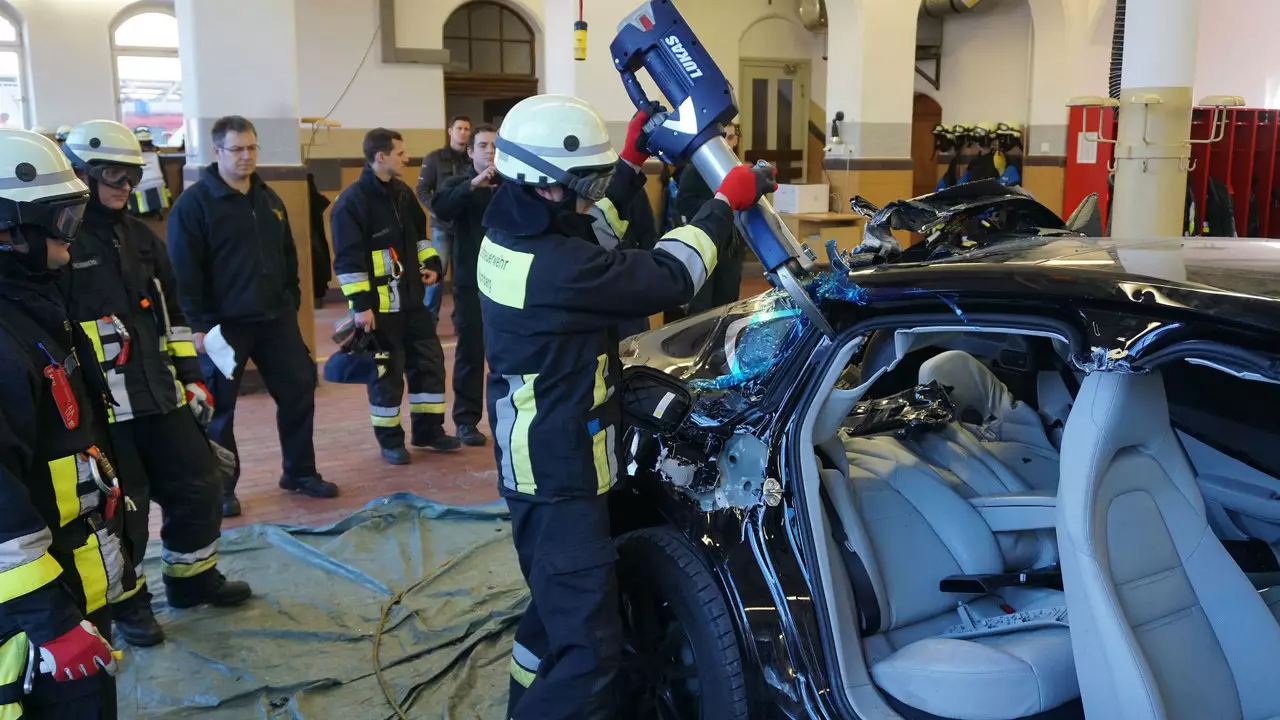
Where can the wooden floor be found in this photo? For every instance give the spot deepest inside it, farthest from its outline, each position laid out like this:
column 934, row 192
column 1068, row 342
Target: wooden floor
column 347, row 454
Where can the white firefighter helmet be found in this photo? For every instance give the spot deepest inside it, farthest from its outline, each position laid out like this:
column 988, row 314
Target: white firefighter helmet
column 38, row 186
column 63, row 132
column 102, row 141
column 555, row 139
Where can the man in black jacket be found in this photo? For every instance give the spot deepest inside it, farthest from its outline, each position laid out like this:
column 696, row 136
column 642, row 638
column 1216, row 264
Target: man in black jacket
column 447, row 162
column 384, row 264
column 62, row 561
column 237, row 269
column 462, row 202
column 122, row 293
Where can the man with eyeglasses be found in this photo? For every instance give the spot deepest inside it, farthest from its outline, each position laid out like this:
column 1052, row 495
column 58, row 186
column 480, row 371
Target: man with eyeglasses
column 237, row 269
column 122, row 293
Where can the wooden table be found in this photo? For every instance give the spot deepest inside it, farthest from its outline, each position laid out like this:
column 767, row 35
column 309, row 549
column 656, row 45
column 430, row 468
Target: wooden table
column 844, row 227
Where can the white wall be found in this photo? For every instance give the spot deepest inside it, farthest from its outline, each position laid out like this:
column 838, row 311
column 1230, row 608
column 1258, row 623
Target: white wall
column 986, row 64
column 69, row 65
column 784, row 38
column 332, row 37
column 1229, row 63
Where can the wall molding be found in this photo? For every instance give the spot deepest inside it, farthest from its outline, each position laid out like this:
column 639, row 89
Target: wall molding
column 837, row 163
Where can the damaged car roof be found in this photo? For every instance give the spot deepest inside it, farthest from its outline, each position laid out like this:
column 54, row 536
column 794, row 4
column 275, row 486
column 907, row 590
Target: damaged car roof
column 1234, row 278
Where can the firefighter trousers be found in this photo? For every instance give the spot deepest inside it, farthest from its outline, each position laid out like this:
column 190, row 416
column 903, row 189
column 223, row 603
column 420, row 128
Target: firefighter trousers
column 568, row 644
column 92, row 698
column 287, row 369
column 468, row 357
column 414, row 353
column 167, row 458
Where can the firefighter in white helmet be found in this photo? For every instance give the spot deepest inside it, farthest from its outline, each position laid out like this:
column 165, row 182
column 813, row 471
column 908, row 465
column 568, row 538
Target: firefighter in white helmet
column 61, row 557
column 552, row 298
column 122, row 292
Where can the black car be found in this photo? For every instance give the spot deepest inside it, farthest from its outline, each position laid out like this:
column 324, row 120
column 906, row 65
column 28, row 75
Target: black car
column 894, row 521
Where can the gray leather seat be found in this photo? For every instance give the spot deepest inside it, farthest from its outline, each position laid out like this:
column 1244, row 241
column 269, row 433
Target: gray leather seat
column 1163, row 622
column 911, row 529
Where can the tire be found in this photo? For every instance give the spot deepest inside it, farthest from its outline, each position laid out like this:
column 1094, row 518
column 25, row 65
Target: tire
column 672, row 608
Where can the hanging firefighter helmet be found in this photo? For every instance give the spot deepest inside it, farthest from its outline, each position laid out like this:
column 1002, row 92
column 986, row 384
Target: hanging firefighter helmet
column 944, row 139
column 984, row 133
column 143, row 133
column 963, row 134
column 1009, row 136
column 38, row 187
column 106, row 151
column 550, row 140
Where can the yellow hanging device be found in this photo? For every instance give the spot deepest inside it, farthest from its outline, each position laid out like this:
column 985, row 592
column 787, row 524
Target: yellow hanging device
column 580, row 40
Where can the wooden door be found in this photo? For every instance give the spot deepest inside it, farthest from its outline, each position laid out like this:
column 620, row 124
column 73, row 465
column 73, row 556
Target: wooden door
column 774, row 100
column 925, row 114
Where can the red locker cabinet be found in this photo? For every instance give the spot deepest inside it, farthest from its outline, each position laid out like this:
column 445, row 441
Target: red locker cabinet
column 1088, row 161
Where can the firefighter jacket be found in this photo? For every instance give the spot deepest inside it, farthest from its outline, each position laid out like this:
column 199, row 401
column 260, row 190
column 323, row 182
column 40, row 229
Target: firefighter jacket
column 379, row 244
column 59, row 560
column 463, row 207
column 121, row 290
column 233, row 253
column 552, row 299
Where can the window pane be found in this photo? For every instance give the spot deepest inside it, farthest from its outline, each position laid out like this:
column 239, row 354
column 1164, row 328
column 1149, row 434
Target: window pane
column 513, row 28
column 459, row 55
column 486, row 56
column 456, row 25
column 759, row 114
column 10, row 91
column 150, row 29
column 484, row 21
column 517, row 58
column 151, row 93
column 8, row 33
column 785, row 91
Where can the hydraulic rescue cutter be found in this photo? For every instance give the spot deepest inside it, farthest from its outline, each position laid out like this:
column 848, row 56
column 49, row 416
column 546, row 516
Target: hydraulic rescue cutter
column 657, row 38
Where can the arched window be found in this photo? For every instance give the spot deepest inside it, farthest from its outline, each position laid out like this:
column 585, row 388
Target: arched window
column 148, row 73
column 12, row 102
column 485, row 38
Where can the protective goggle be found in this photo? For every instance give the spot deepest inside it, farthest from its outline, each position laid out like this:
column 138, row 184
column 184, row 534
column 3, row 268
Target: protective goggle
column 590, row 184
column 116, row 176
column 61, row 219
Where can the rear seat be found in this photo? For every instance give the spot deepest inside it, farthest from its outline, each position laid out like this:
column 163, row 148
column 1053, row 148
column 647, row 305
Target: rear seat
column 911, row 530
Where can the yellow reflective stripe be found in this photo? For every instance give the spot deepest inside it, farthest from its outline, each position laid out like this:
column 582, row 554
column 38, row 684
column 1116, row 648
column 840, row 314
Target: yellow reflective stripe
column 503, row 274
column 617, row 224
column 601, row 392
column 64, row 474
column 182, row 348
column 13, row 661
column 29, row 577
column 426, row 408
column 380, row 264
column 379, row 421
column 384, row 299
column 90, row 328
column 186, row 570
column 350, row 289
column 93, row 574
column 522, row 676
column 425, row 254
column 600, row 454
column 699, row 241
column 526, row 405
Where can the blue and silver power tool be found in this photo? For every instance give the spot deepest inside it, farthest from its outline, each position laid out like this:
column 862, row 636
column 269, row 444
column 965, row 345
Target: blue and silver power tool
column 655, row 37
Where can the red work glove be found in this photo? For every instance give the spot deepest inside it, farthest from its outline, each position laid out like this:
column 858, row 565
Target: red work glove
column 635, row 150
column 745, row 185
column 77, row 654
column 200, row 402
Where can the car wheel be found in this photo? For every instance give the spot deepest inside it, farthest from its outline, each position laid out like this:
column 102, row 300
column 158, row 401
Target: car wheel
column 680, row 652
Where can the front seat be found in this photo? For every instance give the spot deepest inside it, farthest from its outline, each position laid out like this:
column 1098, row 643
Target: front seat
column 1163, row 622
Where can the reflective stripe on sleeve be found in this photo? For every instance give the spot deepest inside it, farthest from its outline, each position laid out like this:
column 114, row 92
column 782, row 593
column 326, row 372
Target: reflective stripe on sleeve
column 353, row 283
column 185, row 565
column 694, row 249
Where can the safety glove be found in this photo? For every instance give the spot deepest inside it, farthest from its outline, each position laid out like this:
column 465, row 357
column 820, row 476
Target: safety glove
column 635, row 149
column 200, row 402
column 77, row 654
column 745, row 185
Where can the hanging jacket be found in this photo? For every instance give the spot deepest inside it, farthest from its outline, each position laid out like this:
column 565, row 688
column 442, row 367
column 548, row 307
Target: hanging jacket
column 233, row 253
column 379, row 230
column 321, row 262
column 120, row 280
column 59, row 558
column 552, row 300
column 1219, row 213
column 463, row 207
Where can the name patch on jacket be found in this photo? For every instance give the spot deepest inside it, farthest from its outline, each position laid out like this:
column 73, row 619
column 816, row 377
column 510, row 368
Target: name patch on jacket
column 86, row 263
column 503, row 274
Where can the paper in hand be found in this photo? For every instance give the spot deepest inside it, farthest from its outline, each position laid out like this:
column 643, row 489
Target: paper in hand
column 220, row 352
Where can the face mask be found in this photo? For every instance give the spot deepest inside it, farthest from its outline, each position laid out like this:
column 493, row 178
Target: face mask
column 35, row 259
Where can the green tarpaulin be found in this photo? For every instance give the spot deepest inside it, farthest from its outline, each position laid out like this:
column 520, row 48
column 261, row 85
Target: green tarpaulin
column 302, row 647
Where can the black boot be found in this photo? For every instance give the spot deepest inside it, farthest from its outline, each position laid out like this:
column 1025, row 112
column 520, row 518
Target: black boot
column 437, row 440
column 311, row 485
column 470, row 436
column 208, row 588
column 396, row 456
column 230, row 505
column 136, row 622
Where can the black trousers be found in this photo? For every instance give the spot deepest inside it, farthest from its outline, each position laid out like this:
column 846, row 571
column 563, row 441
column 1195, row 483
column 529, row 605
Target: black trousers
column 166, row 458
column 569, row 642
column 409, row 338
column 468, row 357
column 288, row 371
column 93, row 698
column 722, row 288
